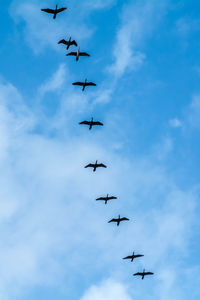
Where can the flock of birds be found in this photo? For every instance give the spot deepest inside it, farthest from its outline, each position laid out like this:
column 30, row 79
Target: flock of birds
column 92, row 123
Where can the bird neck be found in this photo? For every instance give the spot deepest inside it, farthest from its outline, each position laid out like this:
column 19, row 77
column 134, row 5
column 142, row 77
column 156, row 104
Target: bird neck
column 56, row 6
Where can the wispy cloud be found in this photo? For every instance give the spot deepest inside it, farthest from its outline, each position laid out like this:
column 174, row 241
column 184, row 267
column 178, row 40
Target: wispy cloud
column 109, row 290
column 176, row 123
column 137, row 23
column 48, row 191
column 55, row 82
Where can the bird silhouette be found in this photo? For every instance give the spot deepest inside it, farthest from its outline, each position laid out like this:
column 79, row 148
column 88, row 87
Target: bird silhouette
column 118, row 220
column 106, row 199
column 143, row 274
column 78, row 53
column 91, row 123
column 95, row 166
column 84, row 84
column 133, row 256
column 54, row 11
column 68, row 43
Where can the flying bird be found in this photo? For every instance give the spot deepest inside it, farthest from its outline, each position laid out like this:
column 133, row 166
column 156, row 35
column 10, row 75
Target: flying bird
column 91, row 123
column 78, row 53
column 106, row 199
column 118, row 220
column 84, row 84
column 54, row 11
column 142, row 274
column 68, row 43
column 133, row 256
column 95, row 166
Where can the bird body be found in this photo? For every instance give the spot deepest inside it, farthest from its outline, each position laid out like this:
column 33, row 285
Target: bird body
column 84, row 84
column 118, row 220
column 133, row 256
column 68, row 43
column 106, row 199
column 95, row 166
column 54, row 11
column 143, row 274
column 78, row 53
column 91, row 123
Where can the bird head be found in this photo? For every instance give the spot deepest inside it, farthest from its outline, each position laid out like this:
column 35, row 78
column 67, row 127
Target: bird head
column 92, row 118
column 85, row 80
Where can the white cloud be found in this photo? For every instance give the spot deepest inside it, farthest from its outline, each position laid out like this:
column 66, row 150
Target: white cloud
column 137, row 23
column 107, row 290
column 55, row 82
column 175, row 123
column 193, row 112
column 41, row 31
column 45, row 192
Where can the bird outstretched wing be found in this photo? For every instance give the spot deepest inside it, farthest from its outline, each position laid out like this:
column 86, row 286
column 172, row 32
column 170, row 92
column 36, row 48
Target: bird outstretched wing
column 61, row 9
column 138, row 255
column 90, row 83
column 48, row 10
column 63, row 42
column 102, row 165
column 127, row 257
column 71, row 54
column 112, row 220
column 112, row 197
column 124, row 219
column 78, row 83
column 138, row 273
column 89, row 165
column 74, row 43
column 149, row 273
column 101, row 198
column 85, row 123
column 84, row 54
column 98, row 123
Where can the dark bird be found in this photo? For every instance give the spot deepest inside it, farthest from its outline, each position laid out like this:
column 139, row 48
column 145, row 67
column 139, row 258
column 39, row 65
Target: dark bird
column 132, row 257
column 91, row 123
column 95, row 166
column 106, row 199
column 68, row 43
column 54, row 11
column 78, row 53
column 118, row 220
column 84, row 84
column 143, row 274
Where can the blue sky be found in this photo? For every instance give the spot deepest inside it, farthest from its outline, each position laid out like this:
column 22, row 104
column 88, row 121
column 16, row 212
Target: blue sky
column 55, row 240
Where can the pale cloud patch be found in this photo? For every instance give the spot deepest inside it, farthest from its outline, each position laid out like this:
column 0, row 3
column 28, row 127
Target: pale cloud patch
column 41, row 31
column 193, row 112
column 45, row 191
column 55, row 82
column 107, row 290
column 175, row 123
column 137, row 23
column 185, row 26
